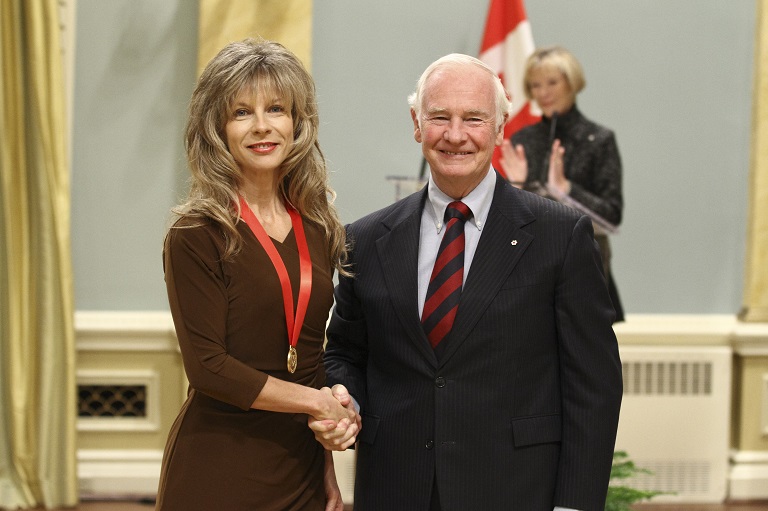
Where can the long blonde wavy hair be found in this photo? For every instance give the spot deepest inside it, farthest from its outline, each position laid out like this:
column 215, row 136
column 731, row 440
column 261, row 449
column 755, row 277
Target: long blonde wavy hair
column 303, row 182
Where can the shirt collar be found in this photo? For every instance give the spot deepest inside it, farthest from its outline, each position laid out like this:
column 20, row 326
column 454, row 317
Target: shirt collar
column 478, row 200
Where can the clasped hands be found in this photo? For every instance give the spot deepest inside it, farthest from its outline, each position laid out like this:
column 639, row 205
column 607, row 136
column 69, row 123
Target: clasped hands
column 338, row 427
column 515, row 166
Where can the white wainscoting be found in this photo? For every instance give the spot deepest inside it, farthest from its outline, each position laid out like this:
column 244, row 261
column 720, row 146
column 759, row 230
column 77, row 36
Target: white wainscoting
column 748, row 478
column 749, row 475
column 656, row 349
column 118, row 473
column 675, row 419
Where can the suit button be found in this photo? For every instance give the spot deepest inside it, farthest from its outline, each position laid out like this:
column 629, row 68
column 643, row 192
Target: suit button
column 440, row 382
column 430, row 444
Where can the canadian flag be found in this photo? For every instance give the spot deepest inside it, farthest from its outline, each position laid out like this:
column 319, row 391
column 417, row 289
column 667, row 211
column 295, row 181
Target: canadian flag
column 507, row 43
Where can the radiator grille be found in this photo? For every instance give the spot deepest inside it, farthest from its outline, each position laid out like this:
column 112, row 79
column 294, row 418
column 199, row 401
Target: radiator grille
column 667, row 378
column 673, row 478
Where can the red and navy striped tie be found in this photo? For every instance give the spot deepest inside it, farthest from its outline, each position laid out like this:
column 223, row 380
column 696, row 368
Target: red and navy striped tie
column 444, row 290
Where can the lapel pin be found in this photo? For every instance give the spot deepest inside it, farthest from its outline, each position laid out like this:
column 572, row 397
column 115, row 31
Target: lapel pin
column 514, row 242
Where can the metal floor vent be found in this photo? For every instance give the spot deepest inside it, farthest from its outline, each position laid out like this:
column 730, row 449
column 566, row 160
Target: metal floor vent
column 112, row 400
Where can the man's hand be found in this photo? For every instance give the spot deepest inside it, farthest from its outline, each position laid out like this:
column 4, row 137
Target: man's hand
column 338, row 435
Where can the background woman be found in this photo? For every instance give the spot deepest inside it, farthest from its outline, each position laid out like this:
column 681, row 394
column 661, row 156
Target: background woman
column 566, row 154
column 248, row 268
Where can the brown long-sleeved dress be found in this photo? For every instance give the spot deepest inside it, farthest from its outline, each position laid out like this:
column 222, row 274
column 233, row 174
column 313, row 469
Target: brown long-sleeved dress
column 230, row 323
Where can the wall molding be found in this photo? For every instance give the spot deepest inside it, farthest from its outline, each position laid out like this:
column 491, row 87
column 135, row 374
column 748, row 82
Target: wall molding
column 125, row 331
column 68, row 31
column 118, row 473
column 750, row 339
column 746, row 339
column 764, row 405
column 154, row 331
column 748, row 479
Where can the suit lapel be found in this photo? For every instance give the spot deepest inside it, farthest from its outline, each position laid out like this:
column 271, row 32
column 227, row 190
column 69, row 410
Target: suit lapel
column 398, row 252
column 502, row 244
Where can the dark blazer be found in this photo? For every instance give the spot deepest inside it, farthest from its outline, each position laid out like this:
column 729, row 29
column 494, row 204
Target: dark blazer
column 592, row 164
column 520, row 411
column 591, row 161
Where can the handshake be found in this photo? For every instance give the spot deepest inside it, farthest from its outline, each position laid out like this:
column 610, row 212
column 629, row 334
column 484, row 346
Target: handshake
column 338, row 425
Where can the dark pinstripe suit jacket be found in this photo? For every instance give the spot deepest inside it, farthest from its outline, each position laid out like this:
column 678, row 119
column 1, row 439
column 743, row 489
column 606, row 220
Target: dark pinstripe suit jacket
column 520, row 411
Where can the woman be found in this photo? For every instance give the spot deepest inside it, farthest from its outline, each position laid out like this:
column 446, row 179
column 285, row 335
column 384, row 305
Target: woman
column 248, row 267
column 565, row 155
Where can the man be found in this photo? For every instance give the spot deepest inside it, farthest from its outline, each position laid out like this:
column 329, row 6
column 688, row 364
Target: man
column 510, row 400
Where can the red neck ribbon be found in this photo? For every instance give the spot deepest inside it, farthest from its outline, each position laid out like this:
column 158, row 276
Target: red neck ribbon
column 293, row 323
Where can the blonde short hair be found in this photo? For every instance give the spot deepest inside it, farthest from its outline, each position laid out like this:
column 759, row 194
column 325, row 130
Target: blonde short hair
column 558, row 58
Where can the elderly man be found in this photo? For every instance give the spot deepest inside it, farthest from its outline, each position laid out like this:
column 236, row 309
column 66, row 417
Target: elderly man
column 475, row 335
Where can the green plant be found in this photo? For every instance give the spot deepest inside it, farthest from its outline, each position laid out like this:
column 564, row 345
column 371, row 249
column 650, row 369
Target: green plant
column 620, row 498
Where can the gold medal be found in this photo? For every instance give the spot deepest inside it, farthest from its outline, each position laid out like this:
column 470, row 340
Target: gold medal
column 293, row 360
column 293, row 318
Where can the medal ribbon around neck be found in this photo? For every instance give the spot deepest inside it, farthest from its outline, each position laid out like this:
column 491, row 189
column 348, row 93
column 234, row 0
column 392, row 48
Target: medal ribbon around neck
column 292, row 322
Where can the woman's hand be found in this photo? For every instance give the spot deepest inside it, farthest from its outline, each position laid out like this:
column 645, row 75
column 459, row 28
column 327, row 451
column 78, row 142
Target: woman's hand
column 557, row 183
column 332, row 408
column 333, row 500
column 514, row 163
column 337, row 435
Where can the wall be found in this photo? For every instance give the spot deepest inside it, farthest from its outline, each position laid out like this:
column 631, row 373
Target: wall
column 134, row 73
column 657, row 72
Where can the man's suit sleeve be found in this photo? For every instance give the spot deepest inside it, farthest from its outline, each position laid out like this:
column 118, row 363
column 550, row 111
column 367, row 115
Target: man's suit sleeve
column 346, row 351
column 590, row 374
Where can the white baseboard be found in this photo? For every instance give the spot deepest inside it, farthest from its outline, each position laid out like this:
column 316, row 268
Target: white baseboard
column 132, row 475
column 119, row 473
column 748, row 479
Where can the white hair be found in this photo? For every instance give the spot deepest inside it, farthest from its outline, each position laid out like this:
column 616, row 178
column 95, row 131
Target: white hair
column 503, row 104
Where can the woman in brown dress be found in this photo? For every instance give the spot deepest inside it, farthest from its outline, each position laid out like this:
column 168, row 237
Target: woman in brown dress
column 248, row 267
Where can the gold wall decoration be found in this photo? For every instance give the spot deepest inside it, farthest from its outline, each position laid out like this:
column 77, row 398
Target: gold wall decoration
column 288, row 22
column 756, row 269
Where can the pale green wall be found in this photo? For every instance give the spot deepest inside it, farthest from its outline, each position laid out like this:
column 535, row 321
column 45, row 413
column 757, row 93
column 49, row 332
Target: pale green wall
column 134, row 72
column 672, row 78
